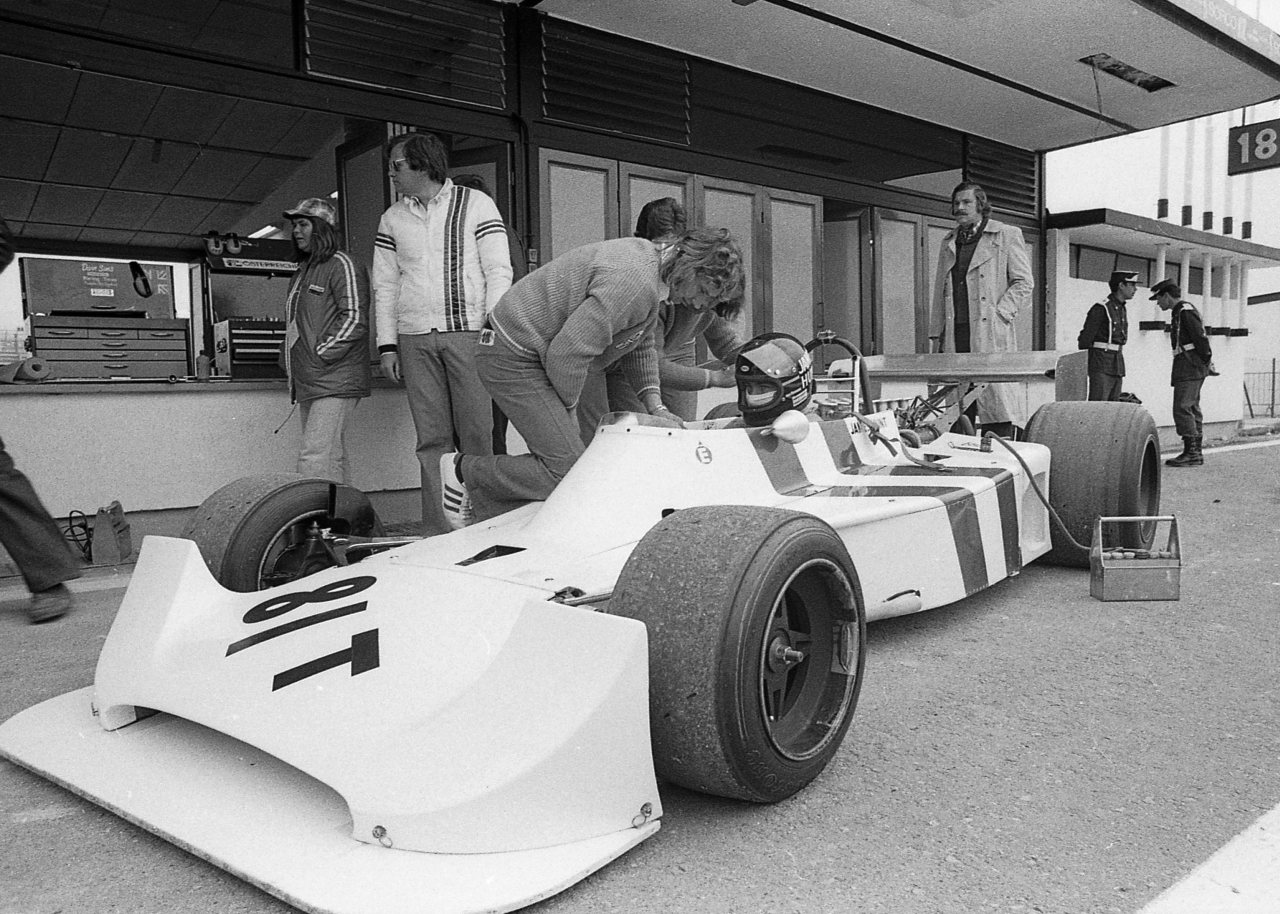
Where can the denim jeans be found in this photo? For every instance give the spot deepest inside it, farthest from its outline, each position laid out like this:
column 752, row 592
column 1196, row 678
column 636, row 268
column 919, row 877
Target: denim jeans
column 324, row 422
column 518, row 383
column 450, row 409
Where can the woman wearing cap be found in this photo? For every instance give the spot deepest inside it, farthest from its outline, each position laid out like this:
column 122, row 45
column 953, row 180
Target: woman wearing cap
column 326, row 347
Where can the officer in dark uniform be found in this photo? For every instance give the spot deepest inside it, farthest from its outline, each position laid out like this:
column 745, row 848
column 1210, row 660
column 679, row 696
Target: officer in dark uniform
column 1192, row 358
column 1106, row 330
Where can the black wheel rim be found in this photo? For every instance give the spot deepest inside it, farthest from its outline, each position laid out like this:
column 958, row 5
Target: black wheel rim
column 287, row 556
column 808, row 660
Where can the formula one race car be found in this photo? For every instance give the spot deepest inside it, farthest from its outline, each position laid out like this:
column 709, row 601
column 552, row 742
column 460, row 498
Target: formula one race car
column 474, row 721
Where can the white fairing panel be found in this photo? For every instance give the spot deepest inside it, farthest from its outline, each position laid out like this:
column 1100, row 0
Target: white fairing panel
column 273, row 826
column 453, row 713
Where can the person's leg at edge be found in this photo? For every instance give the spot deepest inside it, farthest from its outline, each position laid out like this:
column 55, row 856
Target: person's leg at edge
column 32, row 538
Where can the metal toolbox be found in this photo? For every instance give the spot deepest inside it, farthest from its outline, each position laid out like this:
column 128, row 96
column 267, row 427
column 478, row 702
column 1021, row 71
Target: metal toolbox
column 245, row 348
column 1117, row 572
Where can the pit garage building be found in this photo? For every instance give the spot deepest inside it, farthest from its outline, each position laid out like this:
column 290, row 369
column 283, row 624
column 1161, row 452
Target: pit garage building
column 826, row 134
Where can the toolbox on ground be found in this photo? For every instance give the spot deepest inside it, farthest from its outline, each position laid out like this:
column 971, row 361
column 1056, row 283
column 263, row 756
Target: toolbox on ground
column 1118, row 572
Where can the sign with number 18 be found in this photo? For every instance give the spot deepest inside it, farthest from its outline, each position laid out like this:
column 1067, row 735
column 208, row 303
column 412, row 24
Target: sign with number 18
column 1253, row 147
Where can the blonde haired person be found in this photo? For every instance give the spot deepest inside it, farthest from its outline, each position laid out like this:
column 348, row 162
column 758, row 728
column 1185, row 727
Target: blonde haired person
column 597, row 304
column 662, row 221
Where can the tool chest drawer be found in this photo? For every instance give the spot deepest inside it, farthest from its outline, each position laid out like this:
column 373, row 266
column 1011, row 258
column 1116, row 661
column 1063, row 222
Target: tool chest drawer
column 111, row 347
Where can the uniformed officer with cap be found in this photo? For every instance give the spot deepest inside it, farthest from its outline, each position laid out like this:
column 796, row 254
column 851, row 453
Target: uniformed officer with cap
column 1105, row 331
column 1192, row 363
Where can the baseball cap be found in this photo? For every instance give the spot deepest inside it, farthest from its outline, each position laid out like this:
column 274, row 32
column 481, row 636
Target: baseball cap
column 315, row 207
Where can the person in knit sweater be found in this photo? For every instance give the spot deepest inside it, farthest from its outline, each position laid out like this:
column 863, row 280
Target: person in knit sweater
column 594, row 306
column 440, row 263
column 661, row 221
column 326, row 347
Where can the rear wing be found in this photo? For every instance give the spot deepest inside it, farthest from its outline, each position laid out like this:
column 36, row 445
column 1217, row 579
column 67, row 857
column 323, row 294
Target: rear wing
column 1065, row 372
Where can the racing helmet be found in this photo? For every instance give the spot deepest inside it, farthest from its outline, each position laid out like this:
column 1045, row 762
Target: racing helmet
column 774, row 373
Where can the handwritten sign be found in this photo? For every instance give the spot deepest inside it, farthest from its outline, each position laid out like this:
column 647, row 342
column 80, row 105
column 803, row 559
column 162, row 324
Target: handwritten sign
column 100, row 286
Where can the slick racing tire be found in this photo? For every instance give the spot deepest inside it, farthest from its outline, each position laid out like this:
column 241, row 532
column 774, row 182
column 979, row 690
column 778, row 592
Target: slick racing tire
column 252, row 533
column 756, row 647
column 1104, row 462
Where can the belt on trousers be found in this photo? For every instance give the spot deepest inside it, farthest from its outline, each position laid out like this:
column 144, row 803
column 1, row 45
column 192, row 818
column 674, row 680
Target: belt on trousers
column 1186, row 347
column 1110, row 347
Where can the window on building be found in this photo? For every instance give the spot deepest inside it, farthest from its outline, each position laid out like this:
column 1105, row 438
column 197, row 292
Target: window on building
column 1092, row 263
column 1098, row 263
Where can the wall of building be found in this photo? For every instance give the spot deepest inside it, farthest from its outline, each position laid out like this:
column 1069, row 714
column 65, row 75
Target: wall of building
column 165, row 447
column 1147, row 355
column 1264, row 333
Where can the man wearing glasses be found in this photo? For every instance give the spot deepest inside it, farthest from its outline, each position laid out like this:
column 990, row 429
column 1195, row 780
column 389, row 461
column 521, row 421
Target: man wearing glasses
column 440, row 264
column 1105, row 331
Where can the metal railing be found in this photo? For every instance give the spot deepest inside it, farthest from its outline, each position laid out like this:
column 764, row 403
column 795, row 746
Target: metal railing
column 1261, row 389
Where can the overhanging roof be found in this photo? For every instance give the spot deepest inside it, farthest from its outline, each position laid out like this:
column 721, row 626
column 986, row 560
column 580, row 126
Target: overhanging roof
column 1139, row 235
column 1007, row 70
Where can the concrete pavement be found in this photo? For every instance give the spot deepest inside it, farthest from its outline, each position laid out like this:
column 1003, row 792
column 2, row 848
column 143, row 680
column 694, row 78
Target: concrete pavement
column 1026, row 750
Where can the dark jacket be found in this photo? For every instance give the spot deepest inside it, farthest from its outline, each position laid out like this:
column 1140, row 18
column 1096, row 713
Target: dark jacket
column 1191, row 350
column 1107, row 323
column 328, row 307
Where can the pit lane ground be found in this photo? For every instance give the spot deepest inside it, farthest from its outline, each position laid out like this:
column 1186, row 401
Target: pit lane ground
column 1027, row 750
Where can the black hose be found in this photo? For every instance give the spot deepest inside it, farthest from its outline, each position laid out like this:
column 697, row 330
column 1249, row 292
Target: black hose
column 1036, row 488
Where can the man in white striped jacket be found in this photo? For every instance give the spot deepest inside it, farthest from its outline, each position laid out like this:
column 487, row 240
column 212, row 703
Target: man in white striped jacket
column 440, row 264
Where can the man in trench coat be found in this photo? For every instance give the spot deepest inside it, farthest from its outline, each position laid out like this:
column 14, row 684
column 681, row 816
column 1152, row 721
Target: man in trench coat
column 984, row 279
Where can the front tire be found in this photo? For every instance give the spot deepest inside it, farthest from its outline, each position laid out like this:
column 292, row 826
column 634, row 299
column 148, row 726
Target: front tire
column 259, row 531
column 756, row 643
column 1105, row 462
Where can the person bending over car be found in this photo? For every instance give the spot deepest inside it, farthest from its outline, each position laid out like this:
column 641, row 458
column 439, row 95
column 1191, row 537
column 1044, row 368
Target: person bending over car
column 662, row 221
column 593, row 306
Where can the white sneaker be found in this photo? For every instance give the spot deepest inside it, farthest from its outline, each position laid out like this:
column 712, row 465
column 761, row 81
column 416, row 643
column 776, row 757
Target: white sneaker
column 454, row 497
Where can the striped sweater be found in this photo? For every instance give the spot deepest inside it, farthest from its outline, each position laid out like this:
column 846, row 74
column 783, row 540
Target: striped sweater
column 439, row 266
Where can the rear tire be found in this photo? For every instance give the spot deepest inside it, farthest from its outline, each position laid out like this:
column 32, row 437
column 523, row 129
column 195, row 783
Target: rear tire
column 1105, row 462
column 252, row 533
column 756, row 643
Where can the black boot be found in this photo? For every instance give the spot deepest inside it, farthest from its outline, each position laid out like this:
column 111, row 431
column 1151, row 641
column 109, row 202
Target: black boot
column 1197, row 453
column 1189, row 456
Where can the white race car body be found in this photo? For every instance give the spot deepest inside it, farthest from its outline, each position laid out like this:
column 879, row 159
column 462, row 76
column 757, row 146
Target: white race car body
column 433, row 728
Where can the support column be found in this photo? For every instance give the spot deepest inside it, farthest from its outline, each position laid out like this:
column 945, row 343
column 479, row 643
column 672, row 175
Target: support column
column 1187, row 176
column 1209, row 177
column 1208, row 307
column 1244, row 295
column 1162, row 204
